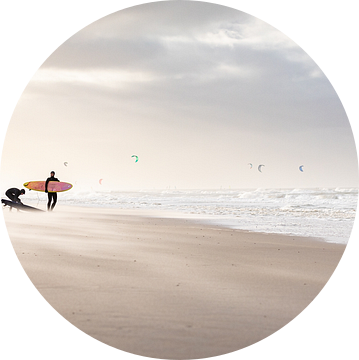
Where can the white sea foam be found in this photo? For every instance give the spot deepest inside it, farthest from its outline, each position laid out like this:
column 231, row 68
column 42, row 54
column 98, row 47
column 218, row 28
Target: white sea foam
column 322, row 213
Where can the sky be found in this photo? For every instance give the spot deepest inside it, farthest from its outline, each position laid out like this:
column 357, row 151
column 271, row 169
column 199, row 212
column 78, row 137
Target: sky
column 197, row 91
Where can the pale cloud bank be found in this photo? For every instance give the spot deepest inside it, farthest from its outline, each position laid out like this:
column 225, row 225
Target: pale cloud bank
column 174, row 79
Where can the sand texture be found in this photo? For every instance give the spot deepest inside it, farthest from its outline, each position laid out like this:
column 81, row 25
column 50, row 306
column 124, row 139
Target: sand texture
column 164, row 287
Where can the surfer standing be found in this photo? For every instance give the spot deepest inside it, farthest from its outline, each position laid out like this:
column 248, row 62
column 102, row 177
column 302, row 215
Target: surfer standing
column 52, row 196
column 14, row 193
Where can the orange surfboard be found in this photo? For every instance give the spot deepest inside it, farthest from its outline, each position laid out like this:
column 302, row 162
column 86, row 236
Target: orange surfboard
column 52, row 186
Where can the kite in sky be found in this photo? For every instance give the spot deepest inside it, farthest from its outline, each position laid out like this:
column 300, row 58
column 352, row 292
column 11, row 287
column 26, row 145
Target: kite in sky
column 135, row 157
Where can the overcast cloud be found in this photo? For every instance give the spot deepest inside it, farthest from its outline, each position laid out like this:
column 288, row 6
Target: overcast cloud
column 197, row 91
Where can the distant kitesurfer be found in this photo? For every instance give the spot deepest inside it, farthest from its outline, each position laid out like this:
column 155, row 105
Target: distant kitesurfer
column 52, row 196
column 14, row 193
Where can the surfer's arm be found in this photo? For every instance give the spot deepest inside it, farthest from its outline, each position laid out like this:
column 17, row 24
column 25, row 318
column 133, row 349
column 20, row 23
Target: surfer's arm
column 17, row 193
column 17, row 200
column 47, row 181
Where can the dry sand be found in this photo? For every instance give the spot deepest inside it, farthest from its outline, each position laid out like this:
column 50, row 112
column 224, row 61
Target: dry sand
column 164, row 287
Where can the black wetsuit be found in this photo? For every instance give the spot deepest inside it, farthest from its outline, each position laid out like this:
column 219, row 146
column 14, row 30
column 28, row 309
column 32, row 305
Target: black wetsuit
column 13, row 194
column 52, row 196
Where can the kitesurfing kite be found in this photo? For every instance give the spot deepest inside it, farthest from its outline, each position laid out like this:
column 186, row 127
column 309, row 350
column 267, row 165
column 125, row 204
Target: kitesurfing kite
column 301, row 168
column 251, row 165
column 100, row 181
column 65, row 163
column 135, row 157
column 259, row 168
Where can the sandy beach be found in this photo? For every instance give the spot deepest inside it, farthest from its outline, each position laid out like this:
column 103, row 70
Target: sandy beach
column 166, row 287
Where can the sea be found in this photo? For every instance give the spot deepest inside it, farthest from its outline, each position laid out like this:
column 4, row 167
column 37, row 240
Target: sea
column 326, row 214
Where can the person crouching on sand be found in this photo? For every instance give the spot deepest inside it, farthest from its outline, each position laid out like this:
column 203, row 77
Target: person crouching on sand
column 14, row 193
column 52, row 196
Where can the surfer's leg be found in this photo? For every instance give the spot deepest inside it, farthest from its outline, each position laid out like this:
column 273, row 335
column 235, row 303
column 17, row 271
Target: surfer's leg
column 54, row 200
column 10, row 195
column 49, row 196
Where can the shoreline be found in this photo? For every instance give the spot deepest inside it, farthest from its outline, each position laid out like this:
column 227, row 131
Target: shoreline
column 205, row 219
column 168, row 288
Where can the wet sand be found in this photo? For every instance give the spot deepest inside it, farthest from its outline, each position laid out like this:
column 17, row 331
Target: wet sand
column 165, row 287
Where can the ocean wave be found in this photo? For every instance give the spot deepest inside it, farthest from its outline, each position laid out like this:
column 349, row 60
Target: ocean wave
column 327, row 213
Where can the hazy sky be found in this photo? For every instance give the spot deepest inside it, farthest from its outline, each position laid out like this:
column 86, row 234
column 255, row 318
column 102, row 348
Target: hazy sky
column 197, row 91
